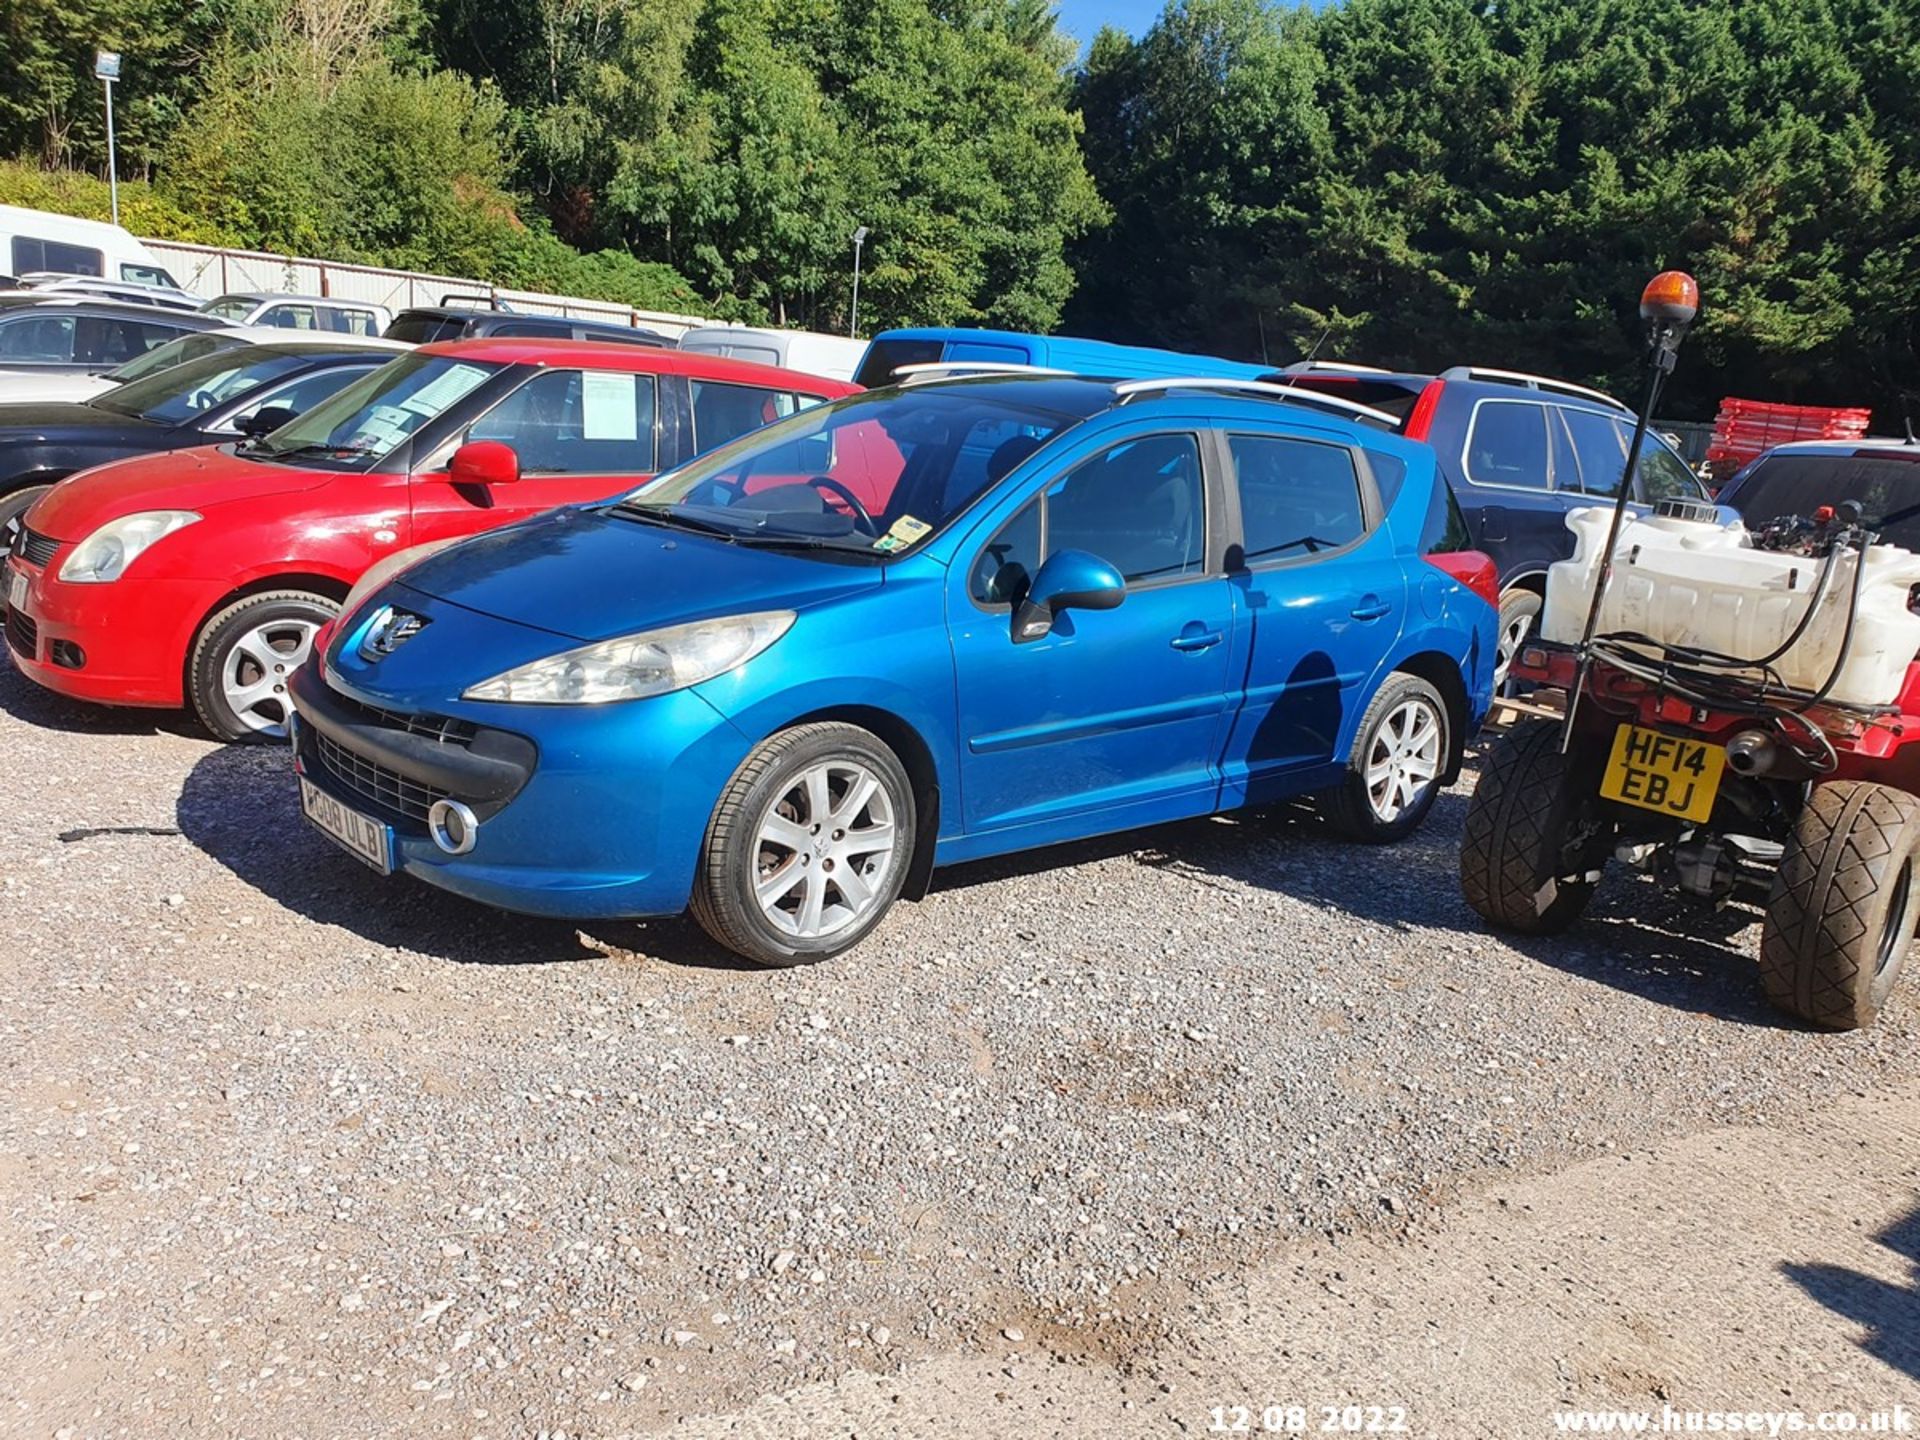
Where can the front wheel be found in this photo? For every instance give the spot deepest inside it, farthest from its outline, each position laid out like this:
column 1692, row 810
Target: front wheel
column 1844, row 905
column 241, row 661
column 15, row 504
column 1393, row 774
column 808, row 847
column 1528, row 854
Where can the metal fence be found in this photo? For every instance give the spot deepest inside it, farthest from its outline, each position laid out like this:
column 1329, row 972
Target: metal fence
column 208, row 270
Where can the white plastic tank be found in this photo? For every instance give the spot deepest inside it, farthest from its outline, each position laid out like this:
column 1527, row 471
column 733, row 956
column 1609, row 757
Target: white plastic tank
column 1700, row 582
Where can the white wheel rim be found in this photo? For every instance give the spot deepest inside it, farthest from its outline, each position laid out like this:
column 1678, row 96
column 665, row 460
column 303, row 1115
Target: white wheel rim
column 824, row 850
column 1512, row 636
column 1404, row 759
column 254, row 671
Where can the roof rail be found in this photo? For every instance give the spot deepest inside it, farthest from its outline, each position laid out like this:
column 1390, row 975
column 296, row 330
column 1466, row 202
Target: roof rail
column 1261, row 389
column 1307, row 367
column 960, row 369
column 1532, row 382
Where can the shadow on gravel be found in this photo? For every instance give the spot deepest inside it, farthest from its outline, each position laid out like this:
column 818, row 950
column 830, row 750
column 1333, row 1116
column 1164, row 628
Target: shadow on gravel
column 27, row 702
column 1636, row 939
column 240, row 805
column 1890, row 1313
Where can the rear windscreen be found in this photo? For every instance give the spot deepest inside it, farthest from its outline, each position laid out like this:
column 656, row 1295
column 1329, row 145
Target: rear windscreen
column 424, row 329
column 883, row 357
column 1395, row 396
column 1887, row 487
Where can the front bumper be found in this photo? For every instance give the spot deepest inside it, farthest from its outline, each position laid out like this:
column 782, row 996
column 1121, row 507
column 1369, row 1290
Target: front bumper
column 598, row 813
column 122, row 643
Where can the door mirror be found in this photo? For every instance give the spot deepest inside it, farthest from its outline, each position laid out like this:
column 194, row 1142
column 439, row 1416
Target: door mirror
column 483, row 462
column 266, row 420
column 1068, row 580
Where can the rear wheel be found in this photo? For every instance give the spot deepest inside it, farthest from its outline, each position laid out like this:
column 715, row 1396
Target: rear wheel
column 1393, row 774
column 1844, row 905
column 808, row 847
column 1519, row 618
column 1532, row 843
column 237, row 675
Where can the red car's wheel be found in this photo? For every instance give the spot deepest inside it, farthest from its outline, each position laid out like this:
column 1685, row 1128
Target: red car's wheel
column 237, row 677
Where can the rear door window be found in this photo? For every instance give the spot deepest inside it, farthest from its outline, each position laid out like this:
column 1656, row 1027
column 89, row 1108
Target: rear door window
column 723, row 412
column 1507, row 444
column 1597, row 449
column 101, row 340
column 289, row 317
column 573, row 422
column 37, row 339
column 1297, row 497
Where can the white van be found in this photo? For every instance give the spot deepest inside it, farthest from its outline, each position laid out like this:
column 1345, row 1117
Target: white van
column 808, row 351
column 34, row 240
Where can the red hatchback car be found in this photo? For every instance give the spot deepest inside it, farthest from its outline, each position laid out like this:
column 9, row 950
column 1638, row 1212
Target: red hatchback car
column 254, row 545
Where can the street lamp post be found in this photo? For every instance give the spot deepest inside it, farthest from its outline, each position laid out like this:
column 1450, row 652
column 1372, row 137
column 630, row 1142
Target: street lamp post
column 106, row 65
column 859, row 238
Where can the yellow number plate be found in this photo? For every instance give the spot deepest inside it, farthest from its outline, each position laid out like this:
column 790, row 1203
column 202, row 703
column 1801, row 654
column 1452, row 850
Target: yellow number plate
column 1663, row 773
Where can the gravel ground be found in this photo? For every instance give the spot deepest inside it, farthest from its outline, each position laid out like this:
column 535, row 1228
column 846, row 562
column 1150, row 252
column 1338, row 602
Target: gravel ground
column 289, row 1149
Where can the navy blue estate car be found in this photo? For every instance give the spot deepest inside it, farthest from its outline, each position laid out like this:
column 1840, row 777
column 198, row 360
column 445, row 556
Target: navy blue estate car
column 1520, row 451
column 925, row 624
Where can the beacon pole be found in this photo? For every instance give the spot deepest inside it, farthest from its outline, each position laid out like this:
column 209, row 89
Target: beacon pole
column 1668, row 306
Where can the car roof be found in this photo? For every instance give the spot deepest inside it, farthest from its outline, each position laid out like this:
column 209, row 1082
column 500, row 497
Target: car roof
column 1081, row 397
column 153, row 314
column 263, row 296
column 329, row 345
column 602, row 355
column 1866, row 445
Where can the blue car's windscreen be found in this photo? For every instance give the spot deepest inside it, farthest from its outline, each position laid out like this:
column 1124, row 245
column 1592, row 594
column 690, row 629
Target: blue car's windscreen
column 874, row 473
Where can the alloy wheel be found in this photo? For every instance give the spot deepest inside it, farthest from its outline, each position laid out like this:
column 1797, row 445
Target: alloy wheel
column 824, row 849
column 254, row 672
column 1404, row 758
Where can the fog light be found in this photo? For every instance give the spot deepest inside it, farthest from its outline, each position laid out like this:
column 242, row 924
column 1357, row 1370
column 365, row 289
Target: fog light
column 453, row 826
column 67, row 655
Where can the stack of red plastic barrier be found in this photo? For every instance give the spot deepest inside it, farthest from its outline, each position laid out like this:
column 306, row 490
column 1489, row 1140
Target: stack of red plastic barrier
column 1745, row 428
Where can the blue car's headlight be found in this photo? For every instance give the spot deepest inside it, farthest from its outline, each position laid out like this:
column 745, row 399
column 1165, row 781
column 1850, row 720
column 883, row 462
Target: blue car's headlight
column 635, row 666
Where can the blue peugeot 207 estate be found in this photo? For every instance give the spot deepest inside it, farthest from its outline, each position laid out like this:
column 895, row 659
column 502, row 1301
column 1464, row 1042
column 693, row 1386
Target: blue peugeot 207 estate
column 926, row 624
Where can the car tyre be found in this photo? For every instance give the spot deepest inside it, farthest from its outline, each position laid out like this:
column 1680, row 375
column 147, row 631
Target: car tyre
column 243, row 657
column 1519, row 619
column 16, row 503
column 808, row 846
column 1527, row 854
column 1844, row 904
column 1393, row 774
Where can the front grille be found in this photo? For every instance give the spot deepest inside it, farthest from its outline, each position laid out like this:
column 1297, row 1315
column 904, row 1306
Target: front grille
column 388, row 789
column 22, row 634
column 442, row 728
column 34, row 548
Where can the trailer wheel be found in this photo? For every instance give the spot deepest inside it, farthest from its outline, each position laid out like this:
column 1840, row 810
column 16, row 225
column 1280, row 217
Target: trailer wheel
column 1531, row 833
column 1844, row 905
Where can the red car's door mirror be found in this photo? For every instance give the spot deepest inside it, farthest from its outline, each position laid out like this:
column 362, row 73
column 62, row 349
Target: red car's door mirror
column 483, row 462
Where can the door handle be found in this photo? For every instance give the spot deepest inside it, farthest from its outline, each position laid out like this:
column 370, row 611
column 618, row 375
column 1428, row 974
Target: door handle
column 1201, row 640
column 1371, row 608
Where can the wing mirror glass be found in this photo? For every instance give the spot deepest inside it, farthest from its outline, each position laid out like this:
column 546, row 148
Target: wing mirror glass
column 483, row 462
column 266, row 420
column 1068, row 580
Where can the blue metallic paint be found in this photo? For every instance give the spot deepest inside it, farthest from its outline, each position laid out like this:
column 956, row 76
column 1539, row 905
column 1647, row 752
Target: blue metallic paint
column 1103, row 725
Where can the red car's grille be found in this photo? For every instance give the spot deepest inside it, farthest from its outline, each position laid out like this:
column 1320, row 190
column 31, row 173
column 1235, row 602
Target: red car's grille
column 22, row 634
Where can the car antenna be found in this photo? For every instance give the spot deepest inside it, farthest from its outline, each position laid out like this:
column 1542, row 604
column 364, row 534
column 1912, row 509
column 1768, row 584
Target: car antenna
column 1304, row 364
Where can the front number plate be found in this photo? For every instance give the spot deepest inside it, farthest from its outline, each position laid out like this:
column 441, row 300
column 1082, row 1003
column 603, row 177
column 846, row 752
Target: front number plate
column 368, row 839
column 17, row 590
column 1663, row 773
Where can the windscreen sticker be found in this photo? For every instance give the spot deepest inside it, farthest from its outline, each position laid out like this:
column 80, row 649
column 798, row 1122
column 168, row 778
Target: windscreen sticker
column 901, row 534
